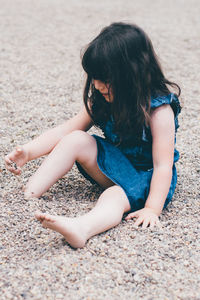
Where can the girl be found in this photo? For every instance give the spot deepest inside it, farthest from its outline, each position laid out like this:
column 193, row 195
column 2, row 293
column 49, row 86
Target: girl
column 128, row 97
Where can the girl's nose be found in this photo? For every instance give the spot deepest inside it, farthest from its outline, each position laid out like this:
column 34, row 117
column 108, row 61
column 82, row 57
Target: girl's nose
column 98, row 85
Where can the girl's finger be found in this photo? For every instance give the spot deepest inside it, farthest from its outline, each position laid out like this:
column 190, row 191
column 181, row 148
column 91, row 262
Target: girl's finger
column 12, row 156
column 155, row 223
column 158, row 224
column 145, row 223
column 8, row 161
column 138, row 221
column 18, row 150
column 131, row 215
column 11, row 169
column 15, row 153
column 152, row 224
column 17, row 171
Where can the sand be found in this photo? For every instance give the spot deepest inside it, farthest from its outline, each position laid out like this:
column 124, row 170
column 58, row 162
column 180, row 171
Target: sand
column 41, row 85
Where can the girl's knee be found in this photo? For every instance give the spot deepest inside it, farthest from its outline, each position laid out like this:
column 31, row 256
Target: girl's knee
column 81, row 144
column 85, row 146
column 117, row 194
column 116, row 190
column 77, row 137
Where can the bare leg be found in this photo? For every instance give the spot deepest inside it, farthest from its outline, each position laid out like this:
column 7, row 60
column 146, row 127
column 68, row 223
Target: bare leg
column 107, row 213
column 77, row 145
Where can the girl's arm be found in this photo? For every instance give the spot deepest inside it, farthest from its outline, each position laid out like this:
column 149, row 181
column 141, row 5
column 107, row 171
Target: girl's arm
column 43, row 144
column 163, row 135
column 47, row 141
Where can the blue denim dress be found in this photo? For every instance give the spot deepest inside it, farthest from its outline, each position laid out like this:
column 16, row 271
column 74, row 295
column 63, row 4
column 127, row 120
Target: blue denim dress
column 132, row 167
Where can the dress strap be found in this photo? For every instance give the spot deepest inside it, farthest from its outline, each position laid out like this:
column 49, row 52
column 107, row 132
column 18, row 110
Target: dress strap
column 171, row 99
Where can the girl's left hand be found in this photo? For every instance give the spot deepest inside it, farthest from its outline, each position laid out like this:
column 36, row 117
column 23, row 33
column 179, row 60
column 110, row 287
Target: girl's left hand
column 145, row 216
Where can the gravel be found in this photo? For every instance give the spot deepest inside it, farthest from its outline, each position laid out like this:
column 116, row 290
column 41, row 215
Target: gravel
column 41, row 85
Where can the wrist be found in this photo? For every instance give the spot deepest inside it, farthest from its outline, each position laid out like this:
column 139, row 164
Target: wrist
column 27, row 152
column 154, row 210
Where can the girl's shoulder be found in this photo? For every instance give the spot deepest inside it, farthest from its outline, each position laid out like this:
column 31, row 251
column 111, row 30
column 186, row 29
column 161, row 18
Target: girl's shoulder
column 170, row 99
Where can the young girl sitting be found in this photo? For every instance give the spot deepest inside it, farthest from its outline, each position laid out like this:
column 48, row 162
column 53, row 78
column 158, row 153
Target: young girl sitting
column 128, row 97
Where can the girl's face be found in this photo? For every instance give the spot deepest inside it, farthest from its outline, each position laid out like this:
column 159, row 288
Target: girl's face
column 104, row 89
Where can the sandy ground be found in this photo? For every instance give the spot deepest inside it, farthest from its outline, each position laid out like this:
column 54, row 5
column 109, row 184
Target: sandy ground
column 41, row 86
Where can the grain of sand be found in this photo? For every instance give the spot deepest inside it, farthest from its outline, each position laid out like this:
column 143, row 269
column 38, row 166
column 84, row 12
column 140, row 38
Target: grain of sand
column 41, row 86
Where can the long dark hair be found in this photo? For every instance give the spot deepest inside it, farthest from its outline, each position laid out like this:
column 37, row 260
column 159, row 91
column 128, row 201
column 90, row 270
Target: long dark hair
column 123, row 56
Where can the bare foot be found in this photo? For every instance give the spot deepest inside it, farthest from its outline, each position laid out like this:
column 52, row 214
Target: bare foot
column 31, row 191
column 29, row 195
column 70, row 228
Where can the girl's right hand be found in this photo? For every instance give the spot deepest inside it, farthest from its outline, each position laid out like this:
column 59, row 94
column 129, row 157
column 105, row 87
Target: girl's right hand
column 16, row 159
